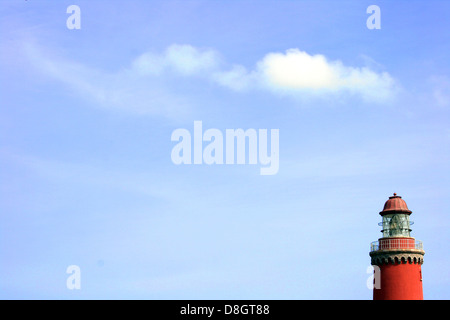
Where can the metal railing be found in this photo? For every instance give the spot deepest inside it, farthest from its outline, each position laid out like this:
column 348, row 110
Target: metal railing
column 392, row 244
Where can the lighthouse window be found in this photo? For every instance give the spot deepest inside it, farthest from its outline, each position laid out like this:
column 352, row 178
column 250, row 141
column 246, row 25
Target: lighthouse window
column 396, row 225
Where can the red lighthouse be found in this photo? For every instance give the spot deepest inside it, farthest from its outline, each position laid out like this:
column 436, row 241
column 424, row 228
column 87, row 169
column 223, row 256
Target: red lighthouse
column 396, row 256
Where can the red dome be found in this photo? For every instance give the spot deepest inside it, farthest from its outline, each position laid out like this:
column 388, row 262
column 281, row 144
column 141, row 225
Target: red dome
column 395, row 204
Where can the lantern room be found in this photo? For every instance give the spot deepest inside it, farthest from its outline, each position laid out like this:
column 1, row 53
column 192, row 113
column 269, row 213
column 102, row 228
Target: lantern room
column 395, row 214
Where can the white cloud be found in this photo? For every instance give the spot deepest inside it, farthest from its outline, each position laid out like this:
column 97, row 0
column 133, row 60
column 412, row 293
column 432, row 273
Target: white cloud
column 151, row 83
column 299, row 73
column 294, row 72
column 297, row 70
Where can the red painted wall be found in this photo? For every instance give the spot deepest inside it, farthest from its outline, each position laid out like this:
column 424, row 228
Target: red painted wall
column 400, row 282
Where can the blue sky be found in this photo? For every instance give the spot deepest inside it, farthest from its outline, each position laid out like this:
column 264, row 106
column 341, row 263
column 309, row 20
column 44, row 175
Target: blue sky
column 86, row 118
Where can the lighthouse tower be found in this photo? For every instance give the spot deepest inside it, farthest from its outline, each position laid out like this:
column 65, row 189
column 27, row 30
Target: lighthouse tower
column 396, row 256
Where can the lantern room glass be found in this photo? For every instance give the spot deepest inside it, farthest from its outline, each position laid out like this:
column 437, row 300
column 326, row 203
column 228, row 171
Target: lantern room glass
column 396, row 225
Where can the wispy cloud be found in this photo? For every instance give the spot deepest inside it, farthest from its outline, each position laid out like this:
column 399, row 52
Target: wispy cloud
column 294, row 72
column 182, row 59
column 441, row 90
column 147, row 86
column 124, row 89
